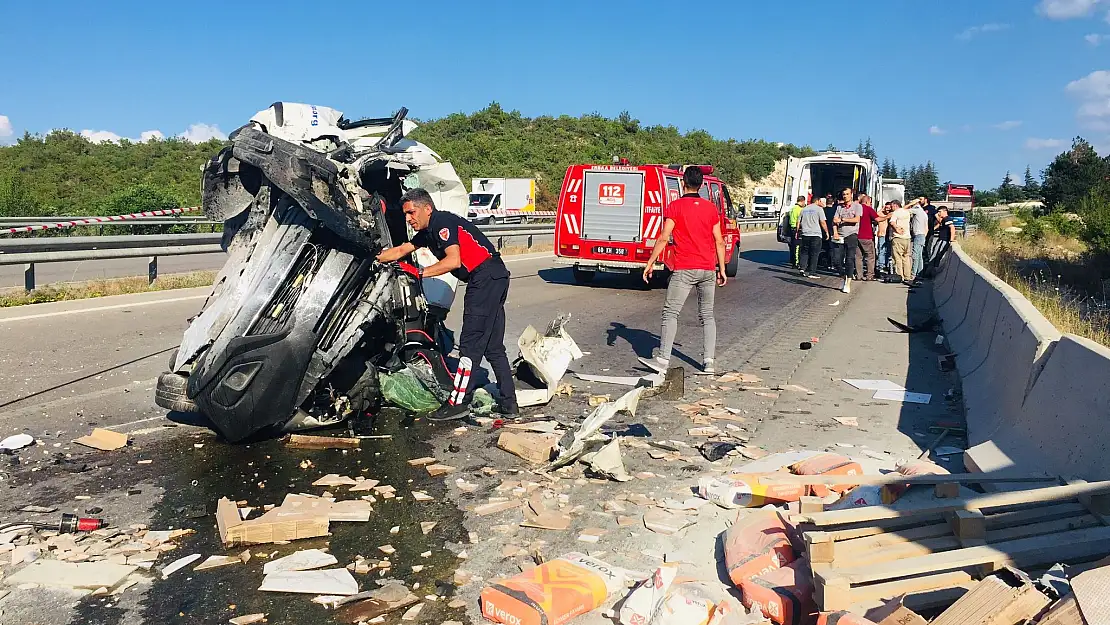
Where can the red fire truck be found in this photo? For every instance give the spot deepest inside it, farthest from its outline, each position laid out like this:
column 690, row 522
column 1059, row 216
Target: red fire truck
column 610, row 216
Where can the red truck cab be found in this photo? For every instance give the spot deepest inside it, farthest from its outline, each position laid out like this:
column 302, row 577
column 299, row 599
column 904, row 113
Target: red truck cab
column 609, row 217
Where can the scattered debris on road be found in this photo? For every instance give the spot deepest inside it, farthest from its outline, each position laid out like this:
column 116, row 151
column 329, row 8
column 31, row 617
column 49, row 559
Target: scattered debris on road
column 104, row 440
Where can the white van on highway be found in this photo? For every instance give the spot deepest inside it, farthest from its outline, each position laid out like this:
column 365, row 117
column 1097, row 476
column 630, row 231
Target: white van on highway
column 832, row 172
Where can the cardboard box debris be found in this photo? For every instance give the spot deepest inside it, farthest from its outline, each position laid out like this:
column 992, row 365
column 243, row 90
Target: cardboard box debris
column 275, row 526
column 436, row 470
column 326, row 582
column 420, row 462
column 248, row 619
column 304, row 441
column 381, row 602
column 104, row 440
column 533, row 447
column 545, row 359
column 333, row 479
column 84, row 575
column 300, row 561
column 1004, row 598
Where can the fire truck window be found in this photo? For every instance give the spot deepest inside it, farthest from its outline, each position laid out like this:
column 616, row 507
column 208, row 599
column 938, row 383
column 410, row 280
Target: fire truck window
column 716, row 191
column 704, row 192
column 674, row 189
column 730, row 210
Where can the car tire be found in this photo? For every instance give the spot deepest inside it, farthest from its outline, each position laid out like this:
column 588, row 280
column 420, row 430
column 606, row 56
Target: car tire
column 170, row 393
column 733, row 264
column 583, row 276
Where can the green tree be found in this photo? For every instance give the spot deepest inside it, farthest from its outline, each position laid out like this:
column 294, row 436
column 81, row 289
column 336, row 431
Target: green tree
column 986, row 198
column 1008, row 192
column 1031, row 189
column 15, row 201
column 869, row 150
column 1073, row 175
column 830, row 148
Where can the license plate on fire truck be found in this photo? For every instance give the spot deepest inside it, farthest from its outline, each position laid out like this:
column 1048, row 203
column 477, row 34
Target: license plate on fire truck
column 615, row 251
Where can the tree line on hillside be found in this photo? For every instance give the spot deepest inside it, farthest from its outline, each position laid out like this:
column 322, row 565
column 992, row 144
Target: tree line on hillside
column 63, row 173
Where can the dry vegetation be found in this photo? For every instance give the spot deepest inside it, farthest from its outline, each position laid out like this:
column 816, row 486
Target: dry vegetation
column 1055, row 275
column 102, row 288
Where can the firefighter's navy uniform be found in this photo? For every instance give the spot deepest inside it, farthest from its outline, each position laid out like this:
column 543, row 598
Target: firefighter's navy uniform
column 487, row 287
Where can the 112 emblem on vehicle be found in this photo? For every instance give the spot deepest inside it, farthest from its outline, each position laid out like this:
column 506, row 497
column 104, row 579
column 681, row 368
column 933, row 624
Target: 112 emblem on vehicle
column 610, row 194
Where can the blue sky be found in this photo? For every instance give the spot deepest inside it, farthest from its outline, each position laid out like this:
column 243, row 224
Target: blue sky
column 978, row 87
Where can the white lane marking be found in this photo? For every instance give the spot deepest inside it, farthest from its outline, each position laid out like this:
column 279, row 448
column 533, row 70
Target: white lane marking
column 102, row 308
column 755, row 234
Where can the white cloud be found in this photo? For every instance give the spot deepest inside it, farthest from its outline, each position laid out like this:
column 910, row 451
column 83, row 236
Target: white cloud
column 1093, row 93
column 1095, row 39
column 992, row 27
column 1008, row 125
column 1067, row 9
column 936, row 130
column 199, row 133
column 101, row 136
column 1044, row 144
column 5, row 127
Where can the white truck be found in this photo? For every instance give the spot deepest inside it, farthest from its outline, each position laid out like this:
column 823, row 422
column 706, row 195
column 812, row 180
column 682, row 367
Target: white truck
column 766, row 202
column 501, row 200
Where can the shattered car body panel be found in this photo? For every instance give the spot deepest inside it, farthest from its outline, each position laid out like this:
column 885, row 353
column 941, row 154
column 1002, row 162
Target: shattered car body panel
column 301, row 317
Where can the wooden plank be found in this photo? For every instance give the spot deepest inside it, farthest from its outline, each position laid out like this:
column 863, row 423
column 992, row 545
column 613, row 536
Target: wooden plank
column 1033, row 515
column 897, row 478
column 1037, row 529
column 1098, row 505
column 859, row 530
column 304, row 441
column 879, row 541
column 895, row 551
column 871, row 513
column 888, row 590
column 1023, row 552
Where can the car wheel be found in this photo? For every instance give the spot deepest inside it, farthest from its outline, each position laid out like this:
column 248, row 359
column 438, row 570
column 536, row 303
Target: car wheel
column 170, row 393
column 583, row 276
column 733, row 264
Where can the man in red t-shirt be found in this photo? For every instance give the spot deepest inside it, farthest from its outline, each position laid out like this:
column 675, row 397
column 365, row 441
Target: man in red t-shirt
column 699, row 262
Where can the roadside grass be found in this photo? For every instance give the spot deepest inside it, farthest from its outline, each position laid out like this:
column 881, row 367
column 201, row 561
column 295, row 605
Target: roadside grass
column 16, row 296
column 102, row 288
column 1056, row 275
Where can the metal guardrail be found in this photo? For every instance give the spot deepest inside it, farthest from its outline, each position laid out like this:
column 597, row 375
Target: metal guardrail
column 31, row 251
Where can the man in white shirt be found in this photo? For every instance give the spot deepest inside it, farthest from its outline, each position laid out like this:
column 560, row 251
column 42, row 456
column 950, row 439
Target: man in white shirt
column 919, row 227
column 900, row 242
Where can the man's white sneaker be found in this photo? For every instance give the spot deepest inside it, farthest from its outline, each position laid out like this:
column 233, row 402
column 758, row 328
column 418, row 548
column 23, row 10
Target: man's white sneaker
column 708, row 367
column 658, row 364
column 847, row 287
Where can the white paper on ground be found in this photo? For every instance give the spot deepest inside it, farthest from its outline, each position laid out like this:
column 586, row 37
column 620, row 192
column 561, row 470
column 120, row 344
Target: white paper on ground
column 903, row 396
column 300, row 561
column 16, row 441
column 875, row 385
column 327, row 582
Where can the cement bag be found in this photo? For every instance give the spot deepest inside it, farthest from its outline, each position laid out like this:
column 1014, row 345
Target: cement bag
column 842, row 618
column 827, row 464
column 784, row 595
column 866, row 495
column 913, row 467
column 745, row 491
column 684, row 605
column 553, row 592
column 757, row 543
column 647, row 597
column 404, row 390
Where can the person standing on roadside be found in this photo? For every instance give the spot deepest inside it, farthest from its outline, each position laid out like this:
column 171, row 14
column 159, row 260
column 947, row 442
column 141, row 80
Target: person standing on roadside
column 835, row 242
column 943, row 233
column 814, row 230
column 900, row 240
column 882, row 240
column 930, row 221
column 699, row 261
column 919, row 227
column 847, row 218
column 865, row 260
column 793, row 216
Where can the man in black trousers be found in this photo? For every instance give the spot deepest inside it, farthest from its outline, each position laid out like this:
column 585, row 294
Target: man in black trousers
column 467, row 254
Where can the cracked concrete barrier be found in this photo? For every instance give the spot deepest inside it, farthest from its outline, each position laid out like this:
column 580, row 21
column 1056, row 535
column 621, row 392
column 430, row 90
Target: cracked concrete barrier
column 1060, row 428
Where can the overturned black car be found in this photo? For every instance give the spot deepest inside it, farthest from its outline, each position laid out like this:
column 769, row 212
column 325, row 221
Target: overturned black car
column 302, row 319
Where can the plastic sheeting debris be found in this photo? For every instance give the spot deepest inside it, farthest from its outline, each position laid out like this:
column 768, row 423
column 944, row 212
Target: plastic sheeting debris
column 544, row 360
column 405, row 390
column 573, row 444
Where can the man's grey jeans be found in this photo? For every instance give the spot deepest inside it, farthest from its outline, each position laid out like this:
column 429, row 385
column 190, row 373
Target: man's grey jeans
column 677, row 291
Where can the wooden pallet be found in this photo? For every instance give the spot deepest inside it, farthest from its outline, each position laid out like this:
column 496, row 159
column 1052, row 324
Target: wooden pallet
column 934, row 552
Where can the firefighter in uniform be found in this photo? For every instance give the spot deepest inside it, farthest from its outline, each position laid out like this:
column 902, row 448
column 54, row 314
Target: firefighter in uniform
column 467, row 254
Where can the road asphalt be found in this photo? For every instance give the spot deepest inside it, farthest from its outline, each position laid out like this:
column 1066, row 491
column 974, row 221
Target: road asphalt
column 71, row 366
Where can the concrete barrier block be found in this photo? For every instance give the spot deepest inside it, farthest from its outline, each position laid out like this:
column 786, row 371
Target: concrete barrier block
column 1063, row 422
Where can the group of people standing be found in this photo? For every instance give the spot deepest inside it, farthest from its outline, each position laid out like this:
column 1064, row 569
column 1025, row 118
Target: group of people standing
column 894, row 243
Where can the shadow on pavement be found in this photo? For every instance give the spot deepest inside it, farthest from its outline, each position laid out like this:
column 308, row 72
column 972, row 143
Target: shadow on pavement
column 623, row 282
column 643, row 342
